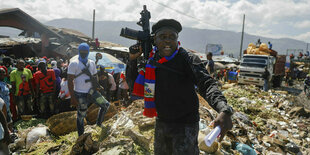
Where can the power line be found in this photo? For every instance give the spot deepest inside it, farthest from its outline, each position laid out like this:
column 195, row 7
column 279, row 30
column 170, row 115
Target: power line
column 182, row 13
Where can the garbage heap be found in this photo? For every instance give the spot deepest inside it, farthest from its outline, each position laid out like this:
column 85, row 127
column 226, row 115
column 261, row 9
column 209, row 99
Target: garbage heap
column 269, row 122
column 264, row 123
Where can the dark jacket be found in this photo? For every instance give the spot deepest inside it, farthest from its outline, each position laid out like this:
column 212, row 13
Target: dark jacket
column 307, row 81
column 266, row 75
column 175, row 96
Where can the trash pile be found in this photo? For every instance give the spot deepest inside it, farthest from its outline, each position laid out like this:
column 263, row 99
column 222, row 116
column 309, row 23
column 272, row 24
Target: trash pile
column 264, row 123
column 269, row 122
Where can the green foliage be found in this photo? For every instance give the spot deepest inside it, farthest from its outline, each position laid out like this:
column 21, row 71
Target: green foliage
column 138, row 150
column 22, row 124
column 41, row 148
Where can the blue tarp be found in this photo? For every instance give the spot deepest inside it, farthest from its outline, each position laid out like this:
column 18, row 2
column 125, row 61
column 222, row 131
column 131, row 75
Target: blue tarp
column 110, row 63
column 232, row 76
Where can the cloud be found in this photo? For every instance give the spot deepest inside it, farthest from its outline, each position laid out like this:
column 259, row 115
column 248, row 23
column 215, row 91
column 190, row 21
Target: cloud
column 305, row 36
column 263, row 17
column 302, row 24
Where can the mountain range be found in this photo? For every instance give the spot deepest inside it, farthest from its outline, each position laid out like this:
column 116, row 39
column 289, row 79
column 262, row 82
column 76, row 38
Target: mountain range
column 192, row 38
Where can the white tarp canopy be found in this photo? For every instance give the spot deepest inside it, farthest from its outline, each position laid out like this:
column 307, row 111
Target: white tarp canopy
column 224, row 58
column 218, row 65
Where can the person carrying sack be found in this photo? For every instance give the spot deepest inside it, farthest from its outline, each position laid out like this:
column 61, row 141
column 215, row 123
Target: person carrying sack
column 82, row 84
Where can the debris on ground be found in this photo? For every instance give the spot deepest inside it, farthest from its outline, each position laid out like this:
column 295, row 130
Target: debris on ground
column 264, row 123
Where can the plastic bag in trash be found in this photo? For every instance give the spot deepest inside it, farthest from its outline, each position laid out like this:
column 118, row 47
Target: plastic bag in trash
column 245, row 149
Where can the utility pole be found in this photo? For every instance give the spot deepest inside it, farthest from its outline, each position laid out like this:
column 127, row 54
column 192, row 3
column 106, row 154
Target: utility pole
column 242, row 37
column 93, row 32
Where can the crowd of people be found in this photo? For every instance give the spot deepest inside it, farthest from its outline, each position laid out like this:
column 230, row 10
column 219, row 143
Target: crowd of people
column 301, row 55
column 47, row 86
column 39, row 87
column 227, row 74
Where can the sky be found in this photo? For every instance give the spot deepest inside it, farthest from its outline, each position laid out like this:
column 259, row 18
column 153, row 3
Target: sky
column 268, row 18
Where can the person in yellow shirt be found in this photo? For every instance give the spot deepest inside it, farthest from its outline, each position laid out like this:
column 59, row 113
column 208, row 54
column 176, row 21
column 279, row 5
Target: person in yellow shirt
column 21, row 86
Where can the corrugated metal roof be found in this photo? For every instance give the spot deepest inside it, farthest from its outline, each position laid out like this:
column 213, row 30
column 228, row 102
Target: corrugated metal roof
column 122, row 49
column 18, row 41
column 24, row 21
column 109, row 44
column 70, row 32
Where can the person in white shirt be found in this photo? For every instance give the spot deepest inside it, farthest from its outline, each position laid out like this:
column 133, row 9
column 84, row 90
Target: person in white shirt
column 80, row 85
column 106, row 80
column 112, row 83
column 123, row 90
column 64, row 94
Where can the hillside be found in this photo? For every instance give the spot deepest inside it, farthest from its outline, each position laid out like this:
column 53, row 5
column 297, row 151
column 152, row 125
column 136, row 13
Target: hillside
column 192, row 38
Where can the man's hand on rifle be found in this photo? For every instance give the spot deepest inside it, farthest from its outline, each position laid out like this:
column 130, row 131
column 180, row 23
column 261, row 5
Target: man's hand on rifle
column 135, row 51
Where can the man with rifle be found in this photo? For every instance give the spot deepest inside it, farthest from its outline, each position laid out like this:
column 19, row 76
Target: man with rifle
column 173, row 72
column 83, row 85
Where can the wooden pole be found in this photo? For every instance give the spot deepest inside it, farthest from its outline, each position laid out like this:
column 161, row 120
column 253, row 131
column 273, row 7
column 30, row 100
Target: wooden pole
column 242, row 37
column 93, row 31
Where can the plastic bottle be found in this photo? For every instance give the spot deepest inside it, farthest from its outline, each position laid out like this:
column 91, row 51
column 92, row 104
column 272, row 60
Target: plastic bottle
column 209, row 139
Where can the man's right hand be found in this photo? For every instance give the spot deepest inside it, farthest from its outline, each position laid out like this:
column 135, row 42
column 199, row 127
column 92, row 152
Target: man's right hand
column 74, row 102
column 135, row 48
column 135, row 51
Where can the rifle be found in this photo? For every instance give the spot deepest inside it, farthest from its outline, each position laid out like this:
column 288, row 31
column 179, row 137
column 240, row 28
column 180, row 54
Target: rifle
column 92, row 79
column 141, row 36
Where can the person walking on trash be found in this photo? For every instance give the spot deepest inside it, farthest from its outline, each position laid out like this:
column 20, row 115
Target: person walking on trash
column 168, row 88
column 266, row 76
column 82, row 84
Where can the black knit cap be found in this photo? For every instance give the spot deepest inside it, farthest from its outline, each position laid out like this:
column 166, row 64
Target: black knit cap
column 171, row 23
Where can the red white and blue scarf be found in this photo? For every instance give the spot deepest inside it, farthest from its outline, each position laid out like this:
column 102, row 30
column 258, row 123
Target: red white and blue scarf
column 144, row 86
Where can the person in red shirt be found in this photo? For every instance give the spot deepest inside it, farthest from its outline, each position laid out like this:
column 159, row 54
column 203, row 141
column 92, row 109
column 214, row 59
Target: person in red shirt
column 300, row 55
column 97, row 43
column 46, row 87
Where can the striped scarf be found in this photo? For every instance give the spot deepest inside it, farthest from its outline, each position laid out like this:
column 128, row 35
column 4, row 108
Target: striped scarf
column 144, row 86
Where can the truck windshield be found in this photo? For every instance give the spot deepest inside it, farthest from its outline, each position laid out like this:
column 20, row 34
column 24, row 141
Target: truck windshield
column 259, row 65
column 255, row 57
column 261, row 61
